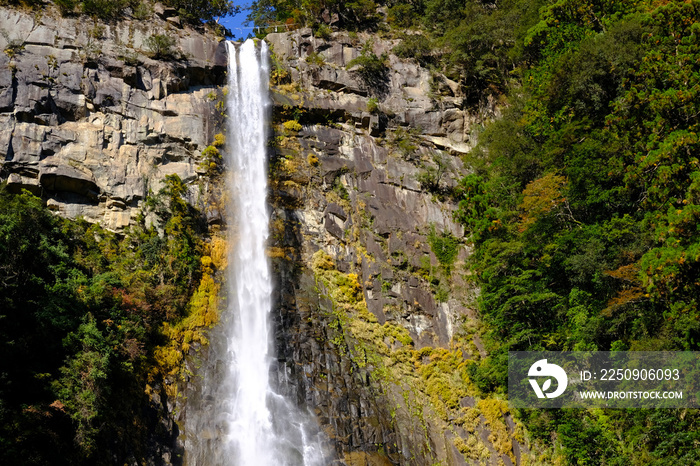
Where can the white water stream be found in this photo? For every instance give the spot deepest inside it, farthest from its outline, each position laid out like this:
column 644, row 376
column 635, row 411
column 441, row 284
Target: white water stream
column 239, row 419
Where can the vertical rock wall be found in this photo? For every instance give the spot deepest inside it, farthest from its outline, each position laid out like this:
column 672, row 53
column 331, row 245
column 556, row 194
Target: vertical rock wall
column 374, row 331
column 90, row 121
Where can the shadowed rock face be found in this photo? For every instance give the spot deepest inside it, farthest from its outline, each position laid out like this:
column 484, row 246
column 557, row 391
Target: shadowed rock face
column 90, row 122
column 349, row 184
column 385, row 219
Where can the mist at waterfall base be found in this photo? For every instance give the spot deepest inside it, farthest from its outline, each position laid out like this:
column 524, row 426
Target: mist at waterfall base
column 233, row 414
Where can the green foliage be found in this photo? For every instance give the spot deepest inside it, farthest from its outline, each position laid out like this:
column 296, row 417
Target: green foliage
column 403, row 15
column 66, row 6
column 192, row 11
column 431, row 174
column 84, row 380
column 339, row 188
column 406, row 141
column 476, row 209
column 480, row 45
column 82, row 311
column 584, row 211
column 372, row 70
column 315, row 58
column 355, row 15
column 444, row 246
column 181, row 225
column 372, row 105
column 415, row 46
column 323, row 31
column 143, row 11
column 104, row 9
column 211, row 159
column 203, row 10
column 360, row 14
column 477, row 44
column 160, row 46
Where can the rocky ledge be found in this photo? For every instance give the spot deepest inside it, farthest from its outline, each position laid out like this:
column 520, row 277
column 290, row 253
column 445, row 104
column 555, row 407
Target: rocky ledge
column 92, row 119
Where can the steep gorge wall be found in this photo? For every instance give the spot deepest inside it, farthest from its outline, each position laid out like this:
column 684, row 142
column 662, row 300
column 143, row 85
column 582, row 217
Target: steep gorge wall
column 374, row 328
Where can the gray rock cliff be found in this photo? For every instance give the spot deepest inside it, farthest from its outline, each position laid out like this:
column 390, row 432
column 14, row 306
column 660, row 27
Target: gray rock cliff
column 362, row 188
column 90, row 121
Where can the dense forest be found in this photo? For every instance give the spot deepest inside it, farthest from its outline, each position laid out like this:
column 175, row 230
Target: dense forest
column 584, row 201
column 82, row 313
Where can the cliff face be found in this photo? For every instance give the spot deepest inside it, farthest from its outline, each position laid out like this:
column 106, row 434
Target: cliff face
column 375, row 320
column 376, row 315
column 92, row 122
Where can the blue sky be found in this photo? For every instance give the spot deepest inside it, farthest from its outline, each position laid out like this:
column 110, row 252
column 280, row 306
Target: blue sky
column 235, row 23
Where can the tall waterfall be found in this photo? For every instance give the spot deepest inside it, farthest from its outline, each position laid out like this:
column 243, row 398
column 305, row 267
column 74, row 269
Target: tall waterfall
column 236, row 417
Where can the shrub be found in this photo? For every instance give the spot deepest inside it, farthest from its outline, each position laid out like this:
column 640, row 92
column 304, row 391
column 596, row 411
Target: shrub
column 66, row 6
column 143, row 11
column 14, row 46
column 323, row 31
column 415, row 46
column 444, row 246
column 315, row 58
column 340, row 189
column 210, row 159
column 372, row 105
column 196, row 11
column 160, row 45
column 372, row 70
column 401, row 16
column 219, row 140
column 279, row 76
column 360, row 14
column 431, row 175
column 292, row 125
column 104, row 9
column 405, row 141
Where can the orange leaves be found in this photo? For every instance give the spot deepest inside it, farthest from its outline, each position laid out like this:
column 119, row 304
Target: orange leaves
column 540, row 197
column 632, row 288
column 628, row 273
column 623, row 298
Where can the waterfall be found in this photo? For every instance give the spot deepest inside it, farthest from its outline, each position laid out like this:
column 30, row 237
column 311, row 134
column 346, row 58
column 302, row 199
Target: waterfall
column 236, row 417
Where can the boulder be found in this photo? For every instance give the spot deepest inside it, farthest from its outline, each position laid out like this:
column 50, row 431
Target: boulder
column 60, row 177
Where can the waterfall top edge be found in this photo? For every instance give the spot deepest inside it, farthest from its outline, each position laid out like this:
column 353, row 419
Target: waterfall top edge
column 237, row 43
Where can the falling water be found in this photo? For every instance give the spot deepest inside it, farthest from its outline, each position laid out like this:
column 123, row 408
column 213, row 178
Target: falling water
column 236, row 417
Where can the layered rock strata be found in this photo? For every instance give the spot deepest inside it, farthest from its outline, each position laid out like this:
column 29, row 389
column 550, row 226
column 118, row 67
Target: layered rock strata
column 91, row 121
